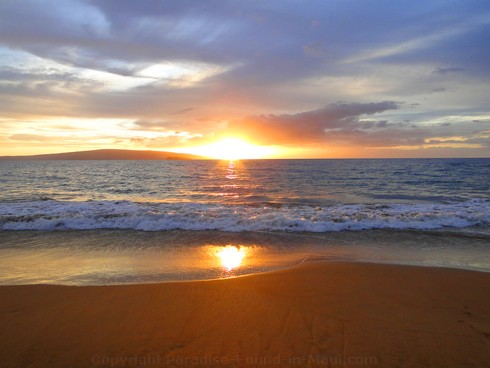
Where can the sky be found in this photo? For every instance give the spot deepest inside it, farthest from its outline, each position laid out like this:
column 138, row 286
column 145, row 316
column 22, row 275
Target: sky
column 311, row 78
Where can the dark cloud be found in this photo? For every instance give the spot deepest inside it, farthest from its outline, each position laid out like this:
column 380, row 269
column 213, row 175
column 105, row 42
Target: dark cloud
column 343, row 124
column 310, row 126
column 448, row 70
column 39, row 81
column 182, row 111
column 438, row 89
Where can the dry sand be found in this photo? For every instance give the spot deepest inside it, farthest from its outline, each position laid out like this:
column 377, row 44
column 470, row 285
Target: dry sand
column 318, row 314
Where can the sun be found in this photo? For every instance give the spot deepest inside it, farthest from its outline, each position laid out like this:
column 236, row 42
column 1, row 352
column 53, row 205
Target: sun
column 233, row 149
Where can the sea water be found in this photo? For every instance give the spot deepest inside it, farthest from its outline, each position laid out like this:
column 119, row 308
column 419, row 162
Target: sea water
column 103, row 222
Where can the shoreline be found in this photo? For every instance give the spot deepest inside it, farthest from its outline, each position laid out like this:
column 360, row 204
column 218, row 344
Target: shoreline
column 317, row 313
column 121, row 257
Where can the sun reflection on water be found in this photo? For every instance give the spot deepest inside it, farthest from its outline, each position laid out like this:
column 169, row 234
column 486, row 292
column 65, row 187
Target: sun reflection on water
column 230, row 187
column 230, row 170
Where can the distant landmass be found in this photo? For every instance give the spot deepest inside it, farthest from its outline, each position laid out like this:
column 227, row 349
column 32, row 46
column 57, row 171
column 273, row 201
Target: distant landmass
column 109, row 154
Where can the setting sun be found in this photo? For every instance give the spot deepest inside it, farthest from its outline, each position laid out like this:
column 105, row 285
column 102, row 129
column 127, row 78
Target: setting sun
column 233, row 149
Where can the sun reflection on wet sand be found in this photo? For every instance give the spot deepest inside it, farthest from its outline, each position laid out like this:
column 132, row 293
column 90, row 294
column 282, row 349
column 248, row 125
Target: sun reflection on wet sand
column 231, row 257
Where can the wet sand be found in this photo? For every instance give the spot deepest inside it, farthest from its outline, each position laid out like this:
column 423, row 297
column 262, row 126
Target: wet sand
column 317, row 314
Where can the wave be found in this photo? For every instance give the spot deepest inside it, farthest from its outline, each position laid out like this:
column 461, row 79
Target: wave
column 59, row 215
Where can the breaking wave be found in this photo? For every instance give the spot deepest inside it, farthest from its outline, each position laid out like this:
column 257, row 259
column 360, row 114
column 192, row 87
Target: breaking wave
column 150, row 216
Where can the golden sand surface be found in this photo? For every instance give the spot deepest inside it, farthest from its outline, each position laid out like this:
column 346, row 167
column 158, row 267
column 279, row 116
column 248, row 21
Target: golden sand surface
column 317, row 315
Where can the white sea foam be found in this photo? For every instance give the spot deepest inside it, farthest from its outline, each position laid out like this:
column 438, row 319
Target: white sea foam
column 58, row 215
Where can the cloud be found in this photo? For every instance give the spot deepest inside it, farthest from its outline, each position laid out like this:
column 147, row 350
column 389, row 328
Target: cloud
column 36, row 81
column 309, row 126
column 31, row 137
column 187, row 128
column 164, row 142
column 315, row 50
column 182, row 111
column 448, row 70
column 153, row 125
column 354, row 125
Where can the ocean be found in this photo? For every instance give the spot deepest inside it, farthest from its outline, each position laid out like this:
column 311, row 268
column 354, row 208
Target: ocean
column 111, row 222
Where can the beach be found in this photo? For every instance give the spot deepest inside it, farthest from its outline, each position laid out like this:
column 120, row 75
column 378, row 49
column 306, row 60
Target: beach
column 314, row 314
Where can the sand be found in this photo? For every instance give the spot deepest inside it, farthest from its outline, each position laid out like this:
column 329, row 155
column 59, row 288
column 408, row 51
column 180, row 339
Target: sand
column 318, row 314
